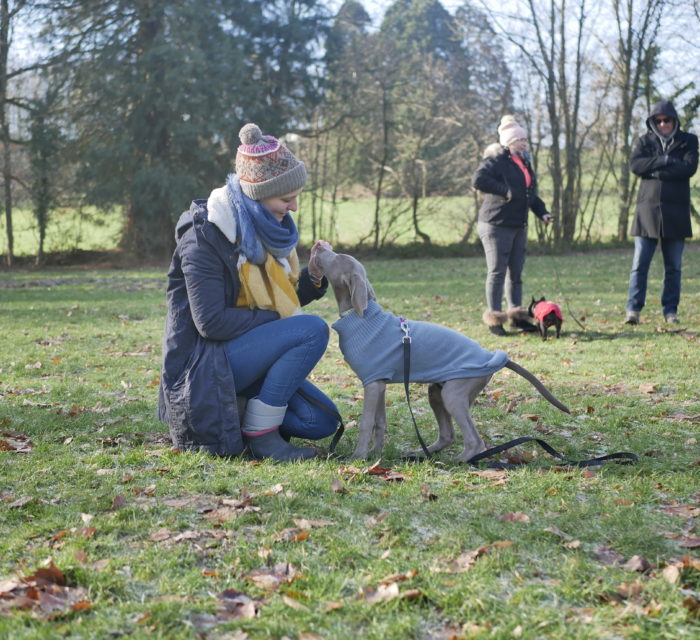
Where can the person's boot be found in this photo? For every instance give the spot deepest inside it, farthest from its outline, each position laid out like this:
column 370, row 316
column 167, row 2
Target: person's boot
column 261, row 434
column 632, row 317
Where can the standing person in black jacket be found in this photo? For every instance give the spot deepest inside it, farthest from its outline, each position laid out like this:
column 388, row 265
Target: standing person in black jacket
column 235, row 333
column 665, row 159
column 509, row 183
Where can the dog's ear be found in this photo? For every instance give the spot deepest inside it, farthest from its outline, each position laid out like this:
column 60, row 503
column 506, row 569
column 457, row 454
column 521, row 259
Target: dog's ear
column 359, row 292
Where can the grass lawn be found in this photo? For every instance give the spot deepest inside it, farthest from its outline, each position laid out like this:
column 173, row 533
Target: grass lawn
column 117, row 535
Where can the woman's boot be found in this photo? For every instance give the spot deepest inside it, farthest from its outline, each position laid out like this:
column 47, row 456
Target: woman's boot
column 261, row 423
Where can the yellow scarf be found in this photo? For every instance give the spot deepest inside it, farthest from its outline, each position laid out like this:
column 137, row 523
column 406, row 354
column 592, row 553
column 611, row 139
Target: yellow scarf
column 270, row 286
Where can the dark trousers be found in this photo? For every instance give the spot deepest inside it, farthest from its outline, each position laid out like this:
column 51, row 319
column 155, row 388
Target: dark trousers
column 672, row 251
column 505, row 249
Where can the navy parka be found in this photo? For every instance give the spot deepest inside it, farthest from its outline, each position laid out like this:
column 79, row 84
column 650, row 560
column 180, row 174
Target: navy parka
column 197, row 396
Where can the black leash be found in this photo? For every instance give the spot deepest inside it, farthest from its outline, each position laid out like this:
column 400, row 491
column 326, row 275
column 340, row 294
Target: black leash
column 341, row 425
column 406, row 341
column 591, row 462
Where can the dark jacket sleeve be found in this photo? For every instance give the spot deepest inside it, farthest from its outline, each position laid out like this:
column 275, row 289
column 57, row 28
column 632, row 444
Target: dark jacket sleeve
column 685, row 166
column 645, row 158
column 488, row 179
column 204, row 273
column 307, row 290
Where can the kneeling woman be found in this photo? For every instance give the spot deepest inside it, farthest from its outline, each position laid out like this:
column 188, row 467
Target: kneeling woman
column 234, row 325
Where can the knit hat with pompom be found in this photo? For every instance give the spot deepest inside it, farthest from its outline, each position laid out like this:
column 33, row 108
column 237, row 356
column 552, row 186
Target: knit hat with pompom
column 509, row 131
column 265, row 167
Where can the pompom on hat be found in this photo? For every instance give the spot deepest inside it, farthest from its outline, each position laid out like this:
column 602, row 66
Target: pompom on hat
column 265, row 167
column 509, row 131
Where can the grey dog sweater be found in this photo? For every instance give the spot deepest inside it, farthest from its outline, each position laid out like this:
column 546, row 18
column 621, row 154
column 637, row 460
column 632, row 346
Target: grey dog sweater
column 372, row 346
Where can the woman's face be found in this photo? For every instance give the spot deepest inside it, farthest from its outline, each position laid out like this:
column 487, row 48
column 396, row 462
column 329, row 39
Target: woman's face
column 519, row 145
column 280, row 206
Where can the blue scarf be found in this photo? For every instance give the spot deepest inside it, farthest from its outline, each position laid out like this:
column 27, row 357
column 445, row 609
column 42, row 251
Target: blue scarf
column 258, row 229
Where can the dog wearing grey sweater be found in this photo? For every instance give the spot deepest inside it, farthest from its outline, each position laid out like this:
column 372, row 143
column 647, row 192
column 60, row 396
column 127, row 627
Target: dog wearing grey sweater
column 455, row 367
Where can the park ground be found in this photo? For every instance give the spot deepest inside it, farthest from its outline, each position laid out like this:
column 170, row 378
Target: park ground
column 106, row 531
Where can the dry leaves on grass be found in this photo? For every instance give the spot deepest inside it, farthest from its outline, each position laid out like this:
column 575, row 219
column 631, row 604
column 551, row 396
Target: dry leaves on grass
column 270, row 578
column 15, row 441
column 230, row 605
column 388, row 589
column 45, row 593
column 171, row 537
column 466, row 560
column 515, row 516
column 385, row 473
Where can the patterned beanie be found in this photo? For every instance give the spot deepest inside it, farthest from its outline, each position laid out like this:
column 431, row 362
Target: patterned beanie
column 509, row 131
column 265, row 167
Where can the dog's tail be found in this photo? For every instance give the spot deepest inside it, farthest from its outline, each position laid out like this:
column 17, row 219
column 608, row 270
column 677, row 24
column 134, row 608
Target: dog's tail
column 535, row 382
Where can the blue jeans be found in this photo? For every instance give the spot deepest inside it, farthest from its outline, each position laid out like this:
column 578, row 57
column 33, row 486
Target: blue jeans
column 505, row 249
column 644, row 248
column 272, row 361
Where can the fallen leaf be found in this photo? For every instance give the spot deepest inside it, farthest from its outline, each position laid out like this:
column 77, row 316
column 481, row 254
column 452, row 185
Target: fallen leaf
column 630, row 590
column 337, row 486
column 558, row 532
column 647, row 387
column 690, row 542
column 233, row 604
column 671, row 574
column 307, row 523
column 682, row 510
column 20, row 502
column 270, row 578
column 373, row 521
column 160, row 535
column 383, row 593
column 427, row 494
column 515, row 516
column 118, row 502
column 399, row 577
column 294, row 604
column 637, row 563
column 606, row 555
column 692, row 604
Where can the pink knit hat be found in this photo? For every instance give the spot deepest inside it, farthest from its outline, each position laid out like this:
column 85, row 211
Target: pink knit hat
column 509, row 131
column 265, row 167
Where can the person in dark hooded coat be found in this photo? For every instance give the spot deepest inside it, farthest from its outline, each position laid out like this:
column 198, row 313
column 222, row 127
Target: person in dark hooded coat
column 235, row 336
column 665, row 158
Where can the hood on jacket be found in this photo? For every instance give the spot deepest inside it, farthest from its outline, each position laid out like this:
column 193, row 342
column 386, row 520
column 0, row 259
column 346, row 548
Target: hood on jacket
column 187, row 218
column 666, row 108
column 493, row 150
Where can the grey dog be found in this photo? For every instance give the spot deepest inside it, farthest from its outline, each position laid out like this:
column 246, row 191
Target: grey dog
column 455, row 367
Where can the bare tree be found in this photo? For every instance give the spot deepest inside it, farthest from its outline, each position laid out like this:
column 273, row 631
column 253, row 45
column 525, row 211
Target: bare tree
column 553, row 38
column 632, row 60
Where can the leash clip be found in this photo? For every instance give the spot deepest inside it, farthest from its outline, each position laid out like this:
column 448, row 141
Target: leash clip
column 404, row 327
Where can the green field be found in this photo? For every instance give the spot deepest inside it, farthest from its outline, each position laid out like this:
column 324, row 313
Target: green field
column 155, row 543
column 444, row 219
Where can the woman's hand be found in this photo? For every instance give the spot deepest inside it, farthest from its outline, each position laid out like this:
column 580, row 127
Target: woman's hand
column 546, row 218
column 314, row 268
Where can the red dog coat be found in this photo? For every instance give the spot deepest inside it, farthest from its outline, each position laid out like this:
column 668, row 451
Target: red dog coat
column 544, row 308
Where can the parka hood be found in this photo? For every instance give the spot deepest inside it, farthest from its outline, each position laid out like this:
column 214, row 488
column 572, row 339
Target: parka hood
column 187, row 218
column 666, row 108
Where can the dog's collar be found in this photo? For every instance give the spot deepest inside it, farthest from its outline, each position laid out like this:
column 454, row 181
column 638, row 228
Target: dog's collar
column 342, row 315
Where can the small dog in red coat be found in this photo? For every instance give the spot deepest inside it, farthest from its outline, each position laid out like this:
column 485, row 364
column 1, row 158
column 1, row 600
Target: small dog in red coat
column 547, row 314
